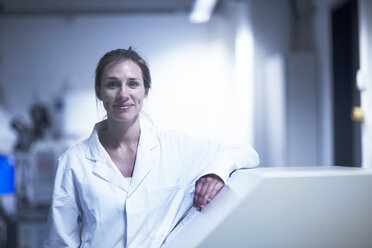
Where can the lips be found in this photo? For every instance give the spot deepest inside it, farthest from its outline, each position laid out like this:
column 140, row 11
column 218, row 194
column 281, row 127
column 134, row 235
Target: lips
column 123, row 106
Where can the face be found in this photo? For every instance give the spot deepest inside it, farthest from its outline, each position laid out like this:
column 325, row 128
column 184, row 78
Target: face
column 122, row 91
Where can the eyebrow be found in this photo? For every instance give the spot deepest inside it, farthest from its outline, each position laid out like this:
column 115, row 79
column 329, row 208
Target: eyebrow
column 134, row 78
column 115, row 78
column 111, row 78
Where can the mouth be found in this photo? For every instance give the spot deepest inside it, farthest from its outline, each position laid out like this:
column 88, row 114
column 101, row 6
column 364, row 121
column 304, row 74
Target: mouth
column 123, row 106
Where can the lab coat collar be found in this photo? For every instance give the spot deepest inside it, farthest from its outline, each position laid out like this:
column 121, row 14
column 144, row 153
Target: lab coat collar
column 146, row 156
column 103, row 167
column 96, row 152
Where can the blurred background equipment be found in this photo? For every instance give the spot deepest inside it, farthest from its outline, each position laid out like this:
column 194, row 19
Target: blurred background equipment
column 38, row 172
column 7, row 188
column 6, row 174
column 25, row 136
column 7, row 136
column 40, row 119
column 27, row 176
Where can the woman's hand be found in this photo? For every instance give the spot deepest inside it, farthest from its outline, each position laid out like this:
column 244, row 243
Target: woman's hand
column 206, row 189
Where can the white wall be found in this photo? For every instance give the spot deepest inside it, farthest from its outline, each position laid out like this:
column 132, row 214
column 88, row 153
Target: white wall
column 302, row 129
column 275, row 111
column 364, row 80
column 271, row 27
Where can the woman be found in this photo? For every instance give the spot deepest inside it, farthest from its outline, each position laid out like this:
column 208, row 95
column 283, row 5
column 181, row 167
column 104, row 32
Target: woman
column 129, row 184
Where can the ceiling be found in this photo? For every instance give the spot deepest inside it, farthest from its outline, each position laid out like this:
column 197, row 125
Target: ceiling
column 92, row 6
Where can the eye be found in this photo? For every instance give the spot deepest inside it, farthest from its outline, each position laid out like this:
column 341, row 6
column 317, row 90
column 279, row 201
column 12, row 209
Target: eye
column 112, row 84
column 132, row 84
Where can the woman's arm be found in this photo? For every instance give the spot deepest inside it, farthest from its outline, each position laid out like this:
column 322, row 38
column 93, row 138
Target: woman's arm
column 211, row 165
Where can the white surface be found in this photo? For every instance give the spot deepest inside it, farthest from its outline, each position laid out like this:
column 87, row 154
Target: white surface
column 285, row 207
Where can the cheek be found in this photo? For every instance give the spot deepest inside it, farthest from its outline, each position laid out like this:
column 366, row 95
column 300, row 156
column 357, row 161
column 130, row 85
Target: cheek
column 143, row 96
column 140, row 100
column 107, row 97
column 104, row 101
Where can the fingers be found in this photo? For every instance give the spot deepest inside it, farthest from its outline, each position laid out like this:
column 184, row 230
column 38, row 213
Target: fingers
column 201, row 197
column 206, row 189
column 217, row 187
column 199, row 188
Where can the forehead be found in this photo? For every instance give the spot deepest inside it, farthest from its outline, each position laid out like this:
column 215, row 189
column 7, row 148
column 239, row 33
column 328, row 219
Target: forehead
column 121, row 68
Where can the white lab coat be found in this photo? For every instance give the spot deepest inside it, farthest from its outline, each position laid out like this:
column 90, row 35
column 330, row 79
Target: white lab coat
column 94, row 206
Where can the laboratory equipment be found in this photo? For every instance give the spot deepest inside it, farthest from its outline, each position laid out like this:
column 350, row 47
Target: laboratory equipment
column 35, row 172
column 289, row 207
column 6, row 188
column 6, row 174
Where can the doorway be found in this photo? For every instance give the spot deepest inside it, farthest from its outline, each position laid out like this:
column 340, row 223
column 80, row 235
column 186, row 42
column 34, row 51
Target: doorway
column 345, row 59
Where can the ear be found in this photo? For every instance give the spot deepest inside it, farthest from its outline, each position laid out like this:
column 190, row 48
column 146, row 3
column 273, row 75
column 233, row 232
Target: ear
column 146, row 92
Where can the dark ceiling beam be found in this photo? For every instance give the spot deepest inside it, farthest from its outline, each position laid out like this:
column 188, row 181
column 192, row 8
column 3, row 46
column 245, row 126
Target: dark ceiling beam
column 85, row 6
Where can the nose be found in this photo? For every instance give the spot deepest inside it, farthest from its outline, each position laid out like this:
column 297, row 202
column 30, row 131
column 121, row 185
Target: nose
column 122, row 93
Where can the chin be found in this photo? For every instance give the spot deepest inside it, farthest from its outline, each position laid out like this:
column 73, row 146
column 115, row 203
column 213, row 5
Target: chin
column 124, row 118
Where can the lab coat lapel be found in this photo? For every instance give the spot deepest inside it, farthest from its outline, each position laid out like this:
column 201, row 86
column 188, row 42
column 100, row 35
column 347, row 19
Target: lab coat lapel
column 147, row 157
column 103, row 167
column 107, row 172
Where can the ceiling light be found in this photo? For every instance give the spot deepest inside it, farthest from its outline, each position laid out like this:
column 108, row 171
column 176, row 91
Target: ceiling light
column 202, row 10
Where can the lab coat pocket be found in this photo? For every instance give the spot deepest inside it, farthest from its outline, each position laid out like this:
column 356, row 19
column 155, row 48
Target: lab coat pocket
column 164, row 202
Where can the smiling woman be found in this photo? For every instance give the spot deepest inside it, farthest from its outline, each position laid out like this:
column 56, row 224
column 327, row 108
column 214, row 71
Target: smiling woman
column 129, row 184
column 123, row 91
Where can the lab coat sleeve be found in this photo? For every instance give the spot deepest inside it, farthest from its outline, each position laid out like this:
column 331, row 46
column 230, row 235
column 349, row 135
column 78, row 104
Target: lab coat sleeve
column 206, row 157
column 63, row 228
column 229, row 159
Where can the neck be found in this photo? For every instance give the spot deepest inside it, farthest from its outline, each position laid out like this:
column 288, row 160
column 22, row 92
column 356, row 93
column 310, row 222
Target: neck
column 122, row 133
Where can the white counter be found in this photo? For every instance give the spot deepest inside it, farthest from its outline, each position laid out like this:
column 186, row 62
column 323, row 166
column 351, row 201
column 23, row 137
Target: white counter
column 284, row 207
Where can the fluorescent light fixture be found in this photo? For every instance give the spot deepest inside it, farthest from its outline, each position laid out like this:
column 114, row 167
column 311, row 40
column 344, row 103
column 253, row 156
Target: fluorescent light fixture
column 202, row 10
